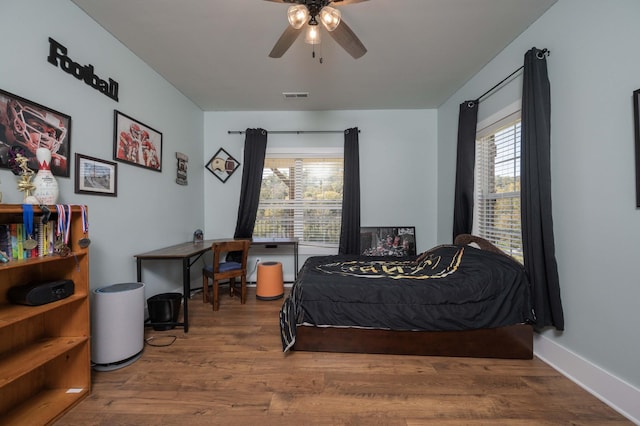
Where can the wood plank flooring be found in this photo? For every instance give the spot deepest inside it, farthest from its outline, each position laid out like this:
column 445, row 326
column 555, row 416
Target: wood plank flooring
column 230, row 370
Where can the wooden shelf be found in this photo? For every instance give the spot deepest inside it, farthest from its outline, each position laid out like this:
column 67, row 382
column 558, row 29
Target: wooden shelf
column 39, row 353
column 21, row 263
column 11, row 314
column 44, row 407
column 45, row 361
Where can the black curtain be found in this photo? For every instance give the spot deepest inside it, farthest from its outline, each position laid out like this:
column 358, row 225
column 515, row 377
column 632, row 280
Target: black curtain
column 350, row 227
column 463, row 203
column 537, row 224
column 255, row 147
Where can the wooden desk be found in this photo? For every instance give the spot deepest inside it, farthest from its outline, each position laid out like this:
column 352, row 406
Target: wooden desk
column 185, row 252
column 275, row 242
column 190, row 252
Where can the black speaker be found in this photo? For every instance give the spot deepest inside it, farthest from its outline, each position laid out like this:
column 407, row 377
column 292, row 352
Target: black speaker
column 40, row 293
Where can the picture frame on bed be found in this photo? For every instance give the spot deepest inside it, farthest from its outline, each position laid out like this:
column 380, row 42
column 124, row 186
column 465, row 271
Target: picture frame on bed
column 636, row 119
column 388, row 240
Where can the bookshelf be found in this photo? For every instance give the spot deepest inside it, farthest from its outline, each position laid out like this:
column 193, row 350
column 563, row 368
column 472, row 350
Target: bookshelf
column 45, row 361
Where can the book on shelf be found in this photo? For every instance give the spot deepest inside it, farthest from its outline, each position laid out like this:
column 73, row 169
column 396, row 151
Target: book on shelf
column 13, row 236
column 5, row 243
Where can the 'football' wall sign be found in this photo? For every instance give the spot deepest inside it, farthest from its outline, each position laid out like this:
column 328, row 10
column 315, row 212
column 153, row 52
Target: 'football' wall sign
column 58, row 57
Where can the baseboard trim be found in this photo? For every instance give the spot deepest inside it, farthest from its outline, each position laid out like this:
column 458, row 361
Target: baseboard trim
column 613, row 391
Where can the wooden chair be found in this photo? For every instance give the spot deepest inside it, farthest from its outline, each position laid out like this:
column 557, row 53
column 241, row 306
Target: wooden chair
column 226, row 271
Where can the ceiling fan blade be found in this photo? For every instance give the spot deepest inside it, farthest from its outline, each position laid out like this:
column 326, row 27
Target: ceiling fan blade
column 285, row 41
column 348, row 40
column 339, row 2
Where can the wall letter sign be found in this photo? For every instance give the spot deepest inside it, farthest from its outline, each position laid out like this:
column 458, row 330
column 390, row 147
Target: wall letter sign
column 58, row 57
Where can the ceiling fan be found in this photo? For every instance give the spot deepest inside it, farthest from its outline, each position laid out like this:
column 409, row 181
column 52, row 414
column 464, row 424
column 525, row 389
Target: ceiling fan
column 310, row 12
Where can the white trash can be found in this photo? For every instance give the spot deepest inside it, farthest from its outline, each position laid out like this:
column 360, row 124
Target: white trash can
column 117, row 326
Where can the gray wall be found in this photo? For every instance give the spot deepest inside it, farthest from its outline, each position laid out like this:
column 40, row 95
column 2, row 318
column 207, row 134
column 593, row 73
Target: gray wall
column 397, row 165
column 151, row 210
column 593, row 70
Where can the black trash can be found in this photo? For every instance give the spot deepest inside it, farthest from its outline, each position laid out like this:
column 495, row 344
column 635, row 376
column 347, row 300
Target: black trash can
column 164, row 307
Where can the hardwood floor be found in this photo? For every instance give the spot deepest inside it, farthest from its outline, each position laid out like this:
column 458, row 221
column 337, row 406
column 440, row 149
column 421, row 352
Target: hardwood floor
column 230, row 370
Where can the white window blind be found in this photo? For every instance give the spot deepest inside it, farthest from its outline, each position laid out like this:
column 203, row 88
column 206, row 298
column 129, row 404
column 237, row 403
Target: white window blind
column 301, row 196
column 497, row 192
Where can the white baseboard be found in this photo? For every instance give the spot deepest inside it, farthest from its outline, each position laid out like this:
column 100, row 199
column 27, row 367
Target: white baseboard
column 611, row 390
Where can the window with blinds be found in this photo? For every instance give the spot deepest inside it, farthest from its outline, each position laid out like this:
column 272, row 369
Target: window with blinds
column 301, row 197
column 497, row 191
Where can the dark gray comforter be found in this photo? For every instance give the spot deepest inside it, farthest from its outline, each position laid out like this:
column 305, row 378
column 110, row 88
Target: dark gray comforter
column 449, row 287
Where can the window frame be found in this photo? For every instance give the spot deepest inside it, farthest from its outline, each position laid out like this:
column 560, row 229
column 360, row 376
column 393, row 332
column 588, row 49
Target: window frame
column 308, row 152
column 492, row 125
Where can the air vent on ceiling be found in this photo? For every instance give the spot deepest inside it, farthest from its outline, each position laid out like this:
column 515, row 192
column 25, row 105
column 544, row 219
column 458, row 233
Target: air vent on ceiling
column 295, row 95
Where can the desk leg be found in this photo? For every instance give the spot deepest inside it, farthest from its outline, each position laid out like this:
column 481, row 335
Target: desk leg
column 139, row 269
column 186, row 289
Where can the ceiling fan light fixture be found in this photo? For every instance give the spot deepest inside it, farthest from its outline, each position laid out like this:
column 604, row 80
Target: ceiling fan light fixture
column 311, row 12
column 330, row 17
column 297, row 16
column 312, row 36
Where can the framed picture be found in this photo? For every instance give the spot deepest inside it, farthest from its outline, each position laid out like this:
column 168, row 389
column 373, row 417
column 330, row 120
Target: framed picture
column 636, row 119
column 388, row 240
column 26, row 126
column 181, row 172
column 95, row 176
column 222, row 165
column 136, row 143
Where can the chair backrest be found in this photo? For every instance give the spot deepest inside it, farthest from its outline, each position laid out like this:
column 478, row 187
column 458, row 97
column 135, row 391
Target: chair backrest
column 221, row 247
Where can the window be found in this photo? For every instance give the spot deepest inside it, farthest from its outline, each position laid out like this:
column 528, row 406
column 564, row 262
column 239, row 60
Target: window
column 497, row 180
column 301, row 196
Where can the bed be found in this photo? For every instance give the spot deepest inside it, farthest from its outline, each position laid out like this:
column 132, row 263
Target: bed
column 464, row 299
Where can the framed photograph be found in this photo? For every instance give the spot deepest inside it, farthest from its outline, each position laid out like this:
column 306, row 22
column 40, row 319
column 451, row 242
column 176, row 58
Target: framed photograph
column 636, row 119
column 388, row 240
column 222, row 165
column 26, row 126
column 136, row 143
column 95, row 176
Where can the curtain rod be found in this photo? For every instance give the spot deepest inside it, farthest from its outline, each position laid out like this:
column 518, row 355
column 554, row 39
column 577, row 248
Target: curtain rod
column 541, row 54
column 288, row 132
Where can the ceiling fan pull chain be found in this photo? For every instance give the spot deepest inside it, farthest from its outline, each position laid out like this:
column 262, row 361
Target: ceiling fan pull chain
column 313, row 53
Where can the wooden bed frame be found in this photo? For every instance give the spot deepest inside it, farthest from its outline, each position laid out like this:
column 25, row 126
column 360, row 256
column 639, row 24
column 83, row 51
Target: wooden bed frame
column 512, row 342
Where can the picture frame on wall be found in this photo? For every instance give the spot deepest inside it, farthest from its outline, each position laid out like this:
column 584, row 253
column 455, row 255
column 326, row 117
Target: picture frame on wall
column 95, row 176
column 636, row 119
column 222, row 165
column 388, row 240
column 136, row 143
column 26, row 126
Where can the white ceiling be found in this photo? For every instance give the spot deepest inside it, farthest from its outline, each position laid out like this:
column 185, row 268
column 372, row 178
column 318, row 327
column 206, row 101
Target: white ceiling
column 216, row 51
